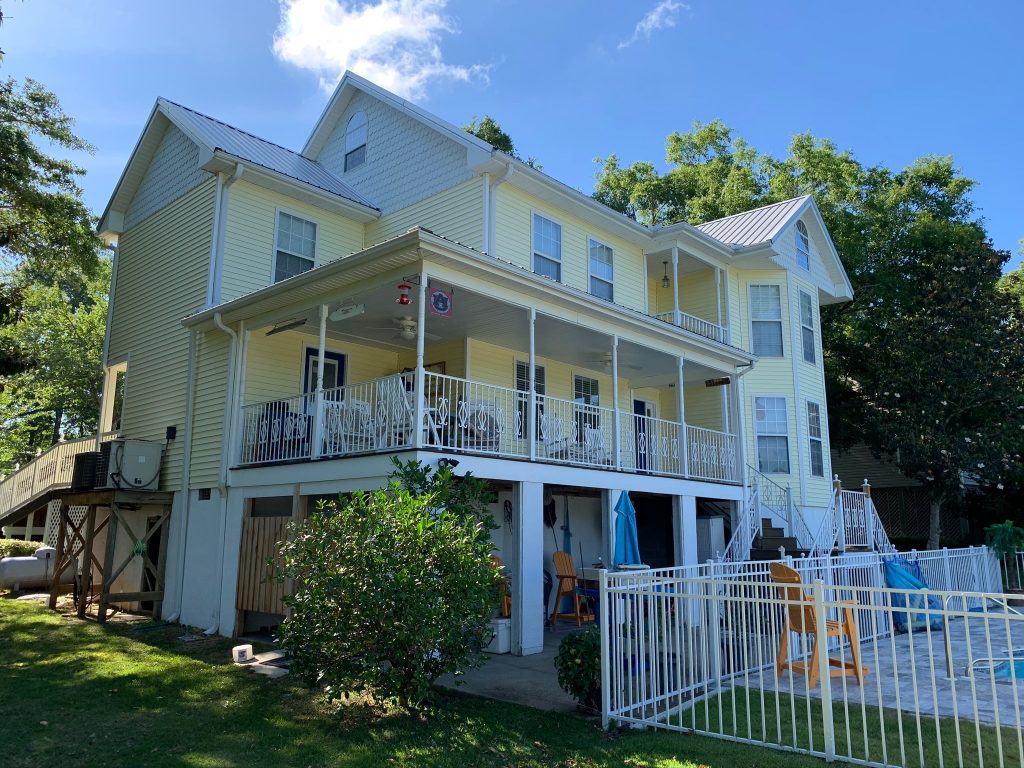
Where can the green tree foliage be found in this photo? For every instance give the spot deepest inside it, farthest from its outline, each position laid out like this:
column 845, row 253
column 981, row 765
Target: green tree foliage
column 924, row 364
column 396, row 586
column 490, row 131
column 55, row 339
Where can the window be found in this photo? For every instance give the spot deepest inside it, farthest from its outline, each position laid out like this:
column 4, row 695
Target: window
column 803, row 246
column 807, row 326
column 355, row 141
column 523, row 403
column 586, row 395
column 814, row 437
column 547, row 247
column 601, row 273
column 772, row 435
column 296, row 246
column 766, row 320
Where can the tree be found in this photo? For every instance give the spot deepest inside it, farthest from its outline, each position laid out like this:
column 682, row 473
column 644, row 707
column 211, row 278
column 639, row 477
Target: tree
column 489, row 130
column 56, row 341
column 923, row 365
column 396, row 586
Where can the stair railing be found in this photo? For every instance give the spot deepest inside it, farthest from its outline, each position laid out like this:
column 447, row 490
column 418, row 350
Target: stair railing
column 779, row 502
column 748, row 525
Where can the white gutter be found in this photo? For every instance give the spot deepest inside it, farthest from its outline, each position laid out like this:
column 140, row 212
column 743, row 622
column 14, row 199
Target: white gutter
column 222, row 480
column 211, row 272
column 490, row 222
column 220, row 216
column 104, row 394
column 185, row 471
column 485, row 235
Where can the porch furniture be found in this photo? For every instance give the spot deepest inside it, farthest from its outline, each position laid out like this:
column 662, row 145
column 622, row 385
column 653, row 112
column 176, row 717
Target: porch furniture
column 349, row 427
column 801, row 618
column 480, row 425
column 589, row 450
column 568, row 586
column 280, row 433
column 505, row 601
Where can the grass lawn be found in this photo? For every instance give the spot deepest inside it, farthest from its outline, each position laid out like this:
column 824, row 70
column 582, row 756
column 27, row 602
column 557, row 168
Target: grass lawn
column 76, row 694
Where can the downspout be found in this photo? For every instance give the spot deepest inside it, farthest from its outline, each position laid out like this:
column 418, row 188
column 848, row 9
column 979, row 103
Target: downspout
column 185, row 471
column 220, row 230
column 211, row 272
column 485, row 235
column 492, row 211
column 104, row 393
column 222, row 480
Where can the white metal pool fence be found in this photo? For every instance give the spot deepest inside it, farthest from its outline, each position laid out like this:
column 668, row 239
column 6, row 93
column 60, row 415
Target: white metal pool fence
column 698, row 650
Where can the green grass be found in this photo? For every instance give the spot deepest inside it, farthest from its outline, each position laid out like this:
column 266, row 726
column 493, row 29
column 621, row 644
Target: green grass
column 76, row 694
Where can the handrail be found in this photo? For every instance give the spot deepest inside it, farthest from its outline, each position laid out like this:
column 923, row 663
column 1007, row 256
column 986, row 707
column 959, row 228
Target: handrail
column 747, row 527
column 48, row 471
column 694, row 324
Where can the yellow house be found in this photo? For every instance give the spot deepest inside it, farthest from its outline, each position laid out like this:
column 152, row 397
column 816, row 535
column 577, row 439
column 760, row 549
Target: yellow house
column 285, row 322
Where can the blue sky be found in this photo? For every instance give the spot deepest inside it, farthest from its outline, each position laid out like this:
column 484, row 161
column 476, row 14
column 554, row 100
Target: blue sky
column 570, row 80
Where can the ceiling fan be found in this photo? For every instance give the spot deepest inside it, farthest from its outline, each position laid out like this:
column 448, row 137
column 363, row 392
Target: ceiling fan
column 405, row 328
column 605, row 363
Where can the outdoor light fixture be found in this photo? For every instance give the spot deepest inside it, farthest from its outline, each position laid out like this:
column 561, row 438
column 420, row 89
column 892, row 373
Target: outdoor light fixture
column 666, row 282
column 403, row 294
column 452, row 463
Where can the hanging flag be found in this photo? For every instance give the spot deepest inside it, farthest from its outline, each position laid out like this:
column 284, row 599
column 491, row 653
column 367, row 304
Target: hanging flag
column 440, row 302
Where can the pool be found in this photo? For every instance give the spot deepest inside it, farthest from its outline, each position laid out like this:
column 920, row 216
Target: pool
column 1002, row 669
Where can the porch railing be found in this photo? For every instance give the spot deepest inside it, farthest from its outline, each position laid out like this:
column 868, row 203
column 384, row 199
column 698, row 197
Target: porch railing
column 697, row 325
column 49, row 471
column 462, row 415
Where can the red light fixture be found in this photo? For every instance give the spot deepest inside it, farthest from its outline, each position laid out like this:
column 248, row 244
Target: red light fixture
column 403, row 295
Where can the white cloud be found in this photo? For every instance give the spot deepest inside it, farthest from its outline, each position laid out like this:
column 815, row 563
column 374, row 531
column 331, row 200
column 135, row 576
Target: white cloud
column 394, row 43
column 661, row 16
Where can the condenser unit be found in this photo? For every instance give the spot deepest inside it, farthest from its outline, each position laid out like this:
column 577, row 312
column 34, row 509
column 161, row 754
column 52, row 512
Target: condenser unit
column 129, row 465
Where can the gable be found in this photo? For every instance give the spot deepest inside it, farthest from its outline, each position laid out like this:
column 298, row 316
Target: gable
column 398, row 146
column 826, row 271
column 172, row 171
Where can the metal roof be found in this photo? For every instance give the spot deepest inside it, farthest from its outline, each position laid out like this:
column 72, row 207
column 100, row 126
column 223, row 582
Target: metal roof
column 761, row 225
column 234, row 141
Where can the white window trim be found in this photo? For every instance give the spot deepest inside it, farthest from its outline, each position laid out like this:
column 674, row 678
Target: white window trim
column 345, row 149
column 110, row 373
column 800, row 292
column 561, row 243
column 796, row 249
column 789, row 435
column 591, row 275
column 821, row 426
column 782, row 316
column 277, row 224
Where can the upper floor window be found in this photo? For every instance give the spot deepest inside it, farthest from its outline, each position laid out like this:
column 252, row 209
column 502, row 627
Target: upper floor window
column 296, row 246
column 803, row 246
column 601, row 271
column 547, row 247
column 816, row 446
column 355, row 141
column 772, row 434
column 807, row 326
column 766, row 320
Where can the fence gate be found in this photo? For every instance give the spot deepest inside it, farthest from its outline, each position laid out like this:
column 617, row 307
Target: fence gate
column 258, row 590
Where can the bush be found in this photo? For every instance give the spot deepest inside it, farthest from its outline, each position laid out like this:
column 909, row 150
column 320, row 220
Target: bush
column 18, row 548
column 395, row 586
column 579, row 667
column 1005, row 538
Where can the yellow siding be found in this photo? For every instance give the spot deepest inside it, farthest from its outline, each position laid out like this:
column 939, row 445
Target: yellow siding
column 513, row 228
column 208, row 433
column 249, row 236
column 161, row 277
column 451, row 353
column 456, row 213
column 704, row 406
column 697, row 295
column 812, row 387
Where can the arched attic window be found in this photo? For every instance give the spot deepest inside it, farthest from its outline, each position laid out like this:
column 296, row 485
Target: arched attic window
column 355, row 141
column 803, row 246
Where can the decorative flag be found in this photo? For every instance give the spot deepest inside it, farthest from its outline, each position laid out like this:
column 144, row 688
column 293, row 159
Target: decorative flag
column 440, row 302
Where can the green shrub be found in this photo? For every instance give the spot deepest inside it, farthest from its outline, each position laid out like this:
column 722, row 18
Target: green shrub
column 18, row 548
column 1005, row 538
column 395, row 586
column 579, row 667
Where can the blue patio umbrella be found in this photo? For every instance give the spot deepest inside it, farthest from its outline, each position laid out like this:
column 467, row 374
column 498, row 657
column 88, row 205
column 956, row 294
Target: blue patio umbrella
column 627, row 548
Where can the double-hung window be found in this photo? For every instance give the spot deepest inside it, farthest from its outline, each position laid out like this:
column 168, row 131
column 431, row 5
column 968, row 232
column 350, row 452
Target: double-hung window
column 296, row 246
column 523, row 398
column 803, row 246
column 766, row 320
column 547, row 247
column 817, row 449
column 586, row 395
column 601, row 271
column 807, row 327
column 772, row 435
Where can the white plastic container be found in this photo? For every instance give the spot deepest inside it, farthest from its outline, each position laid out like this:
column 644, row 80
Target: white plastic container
column 242, row 654
column 502, row 640
column 33, row 571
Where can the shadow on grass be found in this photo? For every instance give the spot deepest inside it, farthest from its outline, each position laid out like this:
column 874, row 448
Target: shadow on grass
column 76, row 693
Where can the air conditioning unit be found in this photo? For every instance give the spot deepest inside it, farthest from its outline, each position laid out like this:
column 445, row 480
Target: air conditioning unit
column 83, row 475
column 129, row 465
column 710, row 538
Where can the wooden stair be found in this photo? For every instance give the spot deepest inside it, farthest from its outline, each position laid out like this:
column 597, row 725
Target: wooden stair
column 766, row 544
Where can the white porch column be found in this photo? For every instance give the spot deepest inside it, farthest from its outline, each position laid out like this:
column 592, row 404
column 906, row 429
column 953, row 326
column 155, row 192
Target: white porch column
column 421, row 322
column 684, row 529
column 684, row 463
column 531, row 414
column 676, row 316
column 318, row 412
column 528, row 607
column 617, row 428
column 739, row 404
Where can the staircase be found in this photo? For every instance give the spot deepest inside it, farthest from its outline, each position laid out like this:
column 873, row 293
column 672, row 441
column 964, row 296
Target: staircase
column 771, row 538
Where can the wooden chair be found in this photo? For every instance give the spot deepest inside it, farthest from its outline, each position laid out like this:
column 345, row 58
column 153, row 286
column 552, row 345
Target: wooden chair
column 505, row 602
column 565, row 572
column 802, row 619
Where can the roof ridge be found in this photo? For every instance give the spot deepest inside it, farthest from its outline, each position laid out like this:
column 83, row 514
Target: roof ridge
column 754, row 210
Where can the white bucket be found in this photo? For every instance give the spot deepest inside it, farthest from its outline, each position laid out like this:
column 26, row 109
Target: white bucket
column 242, row 654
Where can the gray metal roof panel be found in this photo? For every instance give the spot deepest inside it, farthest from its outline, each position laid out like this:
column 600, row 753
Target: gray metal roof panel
column 760, row 225
column 234, row 141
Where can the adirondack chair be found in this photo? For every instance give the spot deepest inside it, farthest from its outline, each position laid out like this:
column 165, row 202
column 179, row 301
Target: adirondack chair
column 565, row 572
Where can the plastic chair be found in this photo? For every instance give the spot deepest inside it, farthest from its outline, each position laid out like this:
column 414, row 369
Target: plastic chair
column 505, row 603
column 801, row 618
column 565, row 572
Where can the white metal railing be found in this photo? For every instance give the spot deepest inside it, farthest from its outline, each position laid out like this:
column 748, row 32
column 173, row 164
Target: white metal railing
column 827, row 537
column 903, row 677
column 48, row 471
column 278, row 430
column 1011, row 568
column 471, row 416
column 748, row 526
column 697, row 325
column 575, row 433
column 650, row 445
column 711, row 455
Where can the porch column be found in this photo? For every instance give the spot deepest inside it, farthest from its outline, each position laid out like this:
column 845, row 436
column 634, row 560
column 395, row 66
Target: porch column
column 528, row 607
column 725, row 309
column 531, row 413
column 235, row 435
column 617, row 428
column 718, row 295
column 684, row 529
column 677, row 318
column 739, row 405
column 421, row 321
column 684, row 463
column 318, row 412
